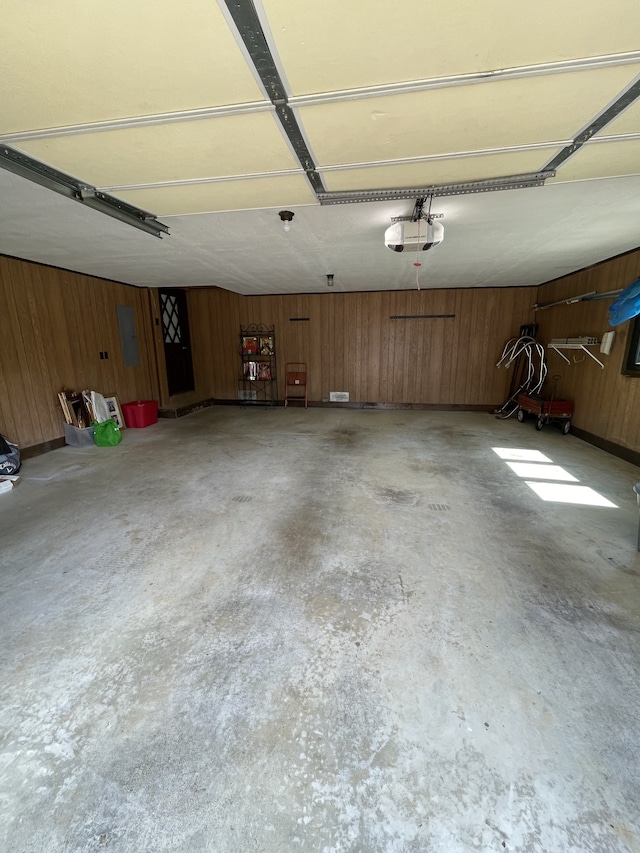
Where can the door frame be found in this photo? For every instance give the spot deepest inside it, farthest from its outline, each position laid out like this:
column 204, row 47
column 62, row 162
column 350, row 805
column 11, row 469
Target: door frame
column 179, row 353
column 155, row 321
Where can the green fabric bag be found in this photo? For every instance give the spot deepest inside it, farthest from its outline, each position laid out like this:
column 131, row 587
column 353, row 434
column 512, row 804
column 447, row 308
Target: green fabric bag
column 107, row 434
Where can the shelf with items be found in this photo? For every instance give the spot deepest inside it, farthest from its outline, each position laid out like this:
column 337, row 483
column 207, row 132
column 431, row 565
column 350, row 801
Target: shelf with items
column 258, row 377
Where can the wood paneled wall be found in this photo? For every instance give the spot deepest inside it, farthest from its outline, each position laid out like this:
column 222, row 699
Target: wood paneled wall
column 351, row 344
column 53, row 325
column 607, row 404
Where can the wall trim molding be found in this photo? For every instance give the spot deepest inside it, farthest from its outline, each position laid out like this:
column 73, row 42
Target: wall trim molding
column 39, row 449
column 73, row 272
column 181, row 411
column 618, row 450
column 426, row 407
column 590, row 267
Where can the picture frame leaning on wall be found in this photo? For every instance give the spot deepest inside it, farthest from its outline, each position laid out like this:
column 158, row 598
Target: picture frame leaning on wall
column 114, row 409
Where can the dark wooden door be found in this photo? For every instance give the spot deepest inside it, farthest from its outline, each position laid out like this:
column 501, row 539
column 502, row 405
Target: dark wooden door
column 177, row 343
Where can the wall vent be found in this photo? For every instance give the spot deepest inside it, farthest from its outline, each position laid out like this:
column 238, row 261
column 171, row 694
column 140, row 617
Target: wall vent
column 338, row 396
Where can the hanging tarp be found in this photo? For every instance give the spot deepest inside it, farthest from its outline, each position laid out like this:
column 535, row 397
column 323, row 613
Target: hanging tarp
column 626, row 306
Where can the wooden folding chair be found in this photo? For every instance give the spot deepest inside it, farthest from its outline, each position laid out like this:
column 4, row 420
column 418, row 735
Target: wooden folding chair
column 295, row 382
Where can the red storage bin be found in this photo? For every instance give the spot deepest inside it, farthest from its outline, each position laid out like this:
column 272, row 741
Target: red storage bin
column 140, row 413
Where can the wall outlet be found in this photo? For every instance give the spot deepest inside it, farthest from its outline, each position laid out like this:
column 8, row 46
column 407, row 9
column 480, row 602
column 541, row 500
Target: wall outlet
column 338, row 396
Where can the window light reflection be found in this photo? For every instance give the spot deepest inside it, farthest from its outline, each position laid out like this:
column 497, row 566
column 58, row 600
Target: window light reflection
column 563, row 493
column 541, row 472
column 520, row 455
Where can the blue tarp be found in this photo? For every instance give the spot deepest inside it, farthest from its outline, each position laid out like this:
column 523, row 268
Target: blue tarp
column 626, row 306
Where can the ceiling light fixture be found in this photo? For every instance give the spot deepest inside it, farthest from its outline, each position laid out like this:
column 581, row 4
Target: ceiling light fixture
column 329, row 279
column 286, row 217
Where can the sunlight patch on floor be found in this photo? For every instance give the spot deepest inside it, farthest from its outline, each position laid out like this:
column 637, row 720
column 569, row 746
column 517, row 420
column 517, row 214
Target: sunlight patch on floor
column 563, row 493
column 541, row 472
column 526, row 463
column 520, row 455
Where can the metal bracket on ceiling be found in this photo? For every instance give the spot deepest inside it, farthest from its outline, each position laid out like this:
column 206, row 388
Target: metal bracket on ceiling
column 27, row 167
column 413, row 218
column 244, row 16
column 620, row 104
column 510, row 182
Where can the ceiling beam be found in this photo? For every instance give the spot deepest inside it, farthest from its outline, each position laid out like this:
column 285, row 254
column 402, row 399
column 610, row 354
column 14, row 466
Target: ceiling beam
column 510, row 182
column 247, row 22
column 80, row 191
column 611, row 112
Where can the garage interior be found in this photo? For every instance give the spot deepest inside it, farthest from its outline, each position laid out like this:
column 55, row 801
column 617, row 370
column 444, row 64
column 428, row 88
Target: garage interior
column 390, row 620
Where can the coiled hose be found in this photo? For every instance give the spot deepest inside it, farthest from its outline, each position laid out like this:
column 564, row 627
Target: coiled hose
column 529, row 373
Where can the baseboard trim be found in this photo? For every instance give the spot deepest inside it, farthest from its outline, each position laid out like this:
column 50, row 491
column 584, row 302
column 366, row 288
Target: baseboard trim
column 39, row 449
column 618, row 450
column 181, row 411
column 417, row 407
column 426, row 407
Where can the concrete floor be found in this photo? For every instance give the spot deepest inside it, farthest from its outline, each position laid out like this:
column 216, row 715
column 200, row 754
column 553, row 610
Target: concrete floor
column 322, row 630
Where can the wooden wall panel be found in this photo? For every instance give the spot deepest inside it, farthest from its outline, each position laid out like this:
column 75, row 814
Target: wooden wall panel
column 351, row 344
column 607, row 404
column 53, row 325
column 214, row 323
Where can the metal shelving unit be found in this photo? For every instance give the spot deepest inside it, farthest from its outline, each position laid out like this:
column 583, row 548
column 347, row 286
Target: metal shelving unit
column 258, row 384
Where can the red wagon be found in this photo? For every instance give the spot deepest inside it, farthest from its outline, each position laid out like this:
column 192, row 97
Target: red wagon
column 545, row 411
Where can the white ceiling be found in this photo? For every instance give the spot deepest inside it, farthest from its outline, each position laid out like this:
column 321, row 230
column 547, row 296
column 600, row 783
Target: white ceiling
column 159, row 104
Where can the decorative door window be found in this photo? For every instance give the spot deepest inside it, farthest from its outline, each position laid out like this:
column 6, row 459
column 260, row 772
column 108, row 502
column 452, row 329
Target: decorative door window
column 170, row 319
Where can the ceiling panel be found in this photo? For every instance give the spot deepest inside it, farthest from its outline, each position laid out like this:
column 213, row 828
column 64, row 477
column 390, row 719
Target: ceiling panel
column 500, row 113
column 282, row 191
column 600, row 160
column 325, row 49
column 438, row 171
column 76, row 61
column 184, row 150
column 79, row 61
